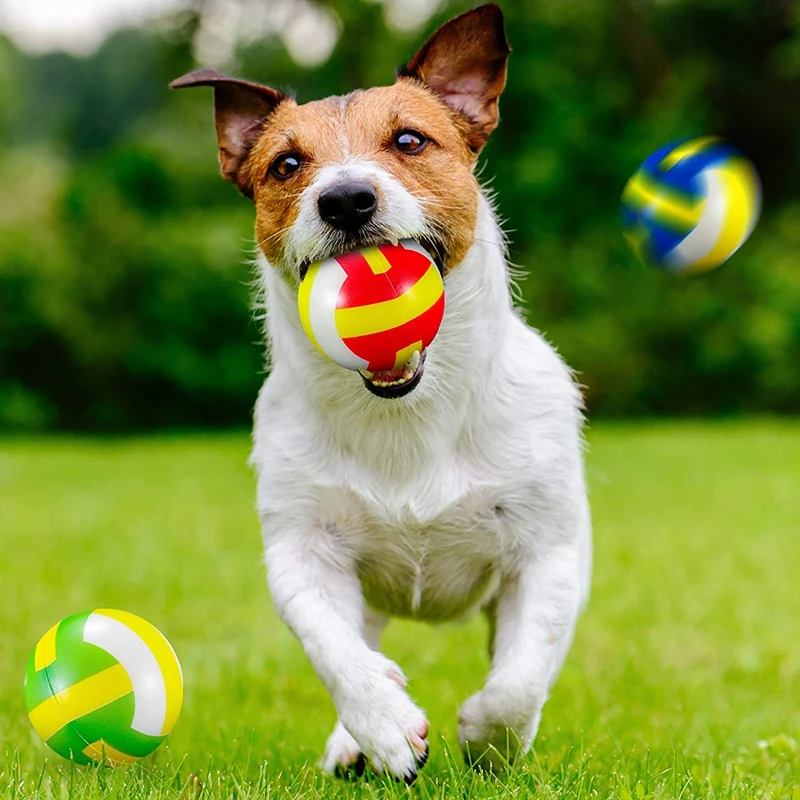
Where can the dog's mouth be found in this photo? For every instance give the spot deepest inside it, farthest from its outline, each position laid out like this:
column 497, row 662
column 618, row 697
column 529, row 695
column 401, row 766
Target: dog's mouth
column 434, row 247
column 393, row 383
column 436, row 250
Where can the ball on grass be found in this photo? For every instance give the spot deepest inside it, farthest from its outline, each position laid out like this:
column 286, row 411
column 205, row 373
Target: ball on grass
column 374, row 307
column 691, row 205
column 103, row 685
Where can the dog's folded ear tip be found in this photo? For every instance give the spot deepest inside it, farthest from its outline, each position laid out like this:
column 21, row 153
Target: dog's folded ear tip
column 184, row 82
column 203, row 76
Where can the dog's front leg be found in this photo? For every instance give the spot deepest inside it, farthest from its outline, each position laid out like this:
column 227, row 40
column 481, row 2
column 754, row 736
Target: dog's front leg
column 318, row 595
column 343, row 754
column 533, row 622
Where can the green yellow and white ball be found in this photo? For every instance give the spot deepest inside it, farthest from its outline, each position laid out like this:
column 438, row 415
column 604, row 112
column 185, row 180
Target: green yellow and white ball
column 103, row 685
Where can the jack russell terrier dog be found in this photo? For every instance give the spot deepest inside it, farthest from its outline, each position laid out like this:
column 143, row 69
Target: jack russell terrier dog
column 451, row 486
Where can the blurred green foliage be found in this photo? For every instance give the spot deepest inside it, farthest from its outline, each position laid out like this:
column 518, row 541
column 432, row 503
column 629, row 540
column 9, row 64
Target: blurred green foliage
column 125, row 273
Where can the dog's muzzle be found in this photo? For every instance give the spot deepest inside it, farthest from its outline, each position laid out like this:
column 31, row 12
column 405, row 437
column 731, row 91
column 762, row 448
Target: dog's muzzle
column 393, row 383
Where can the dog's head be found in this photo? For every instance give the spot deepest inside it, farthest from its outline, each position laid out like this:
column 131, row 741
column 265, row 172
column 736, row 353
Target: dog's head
column 377, row 165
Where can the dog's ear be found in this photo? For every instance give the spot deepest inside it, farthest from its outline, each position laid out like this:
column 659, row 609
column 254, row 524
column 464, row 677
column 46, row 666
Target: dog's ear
column 240, row 110
column 464, row 63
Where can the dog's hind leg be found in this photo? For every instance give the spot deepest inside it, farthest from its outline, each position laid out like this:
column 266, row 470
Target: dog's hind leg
column 534, row 620
column 343, row 756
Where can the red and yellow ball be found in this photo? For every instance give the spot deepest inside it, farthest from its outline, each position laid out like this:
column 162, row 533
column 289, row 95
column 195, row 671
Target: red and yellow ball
column 374, row 307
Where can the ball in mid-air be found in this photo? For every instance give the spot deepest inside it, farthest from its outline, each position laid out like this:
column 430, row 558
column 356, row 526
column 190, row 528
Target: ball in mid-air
column 103, row 685
column 373, row 308
column 691, row 205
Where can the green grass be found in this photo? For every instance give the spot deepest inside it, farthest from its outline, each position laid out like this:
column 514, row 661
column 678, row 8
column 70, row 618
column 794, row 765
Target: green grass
column 684, row 679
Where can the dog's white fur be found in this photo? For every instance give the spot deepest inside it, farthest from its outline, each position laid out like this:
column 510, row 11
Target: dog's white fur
column 467, row 493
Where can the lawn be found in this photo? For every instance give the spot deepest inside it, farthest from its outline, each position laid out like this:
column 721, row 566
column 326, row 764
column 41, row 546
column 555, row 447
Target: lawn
column 684, row 679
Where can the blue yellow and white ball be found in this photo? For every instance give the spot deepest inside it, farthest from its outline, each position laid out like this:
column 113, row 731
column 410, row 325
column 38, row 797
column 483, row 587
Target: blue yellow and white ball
column 691, row 205
column 104, row 685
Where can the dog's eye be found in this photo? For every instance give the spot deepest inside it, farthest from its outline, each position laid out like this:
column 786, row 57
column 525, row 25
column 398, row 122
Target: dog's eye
column 283, row 166
column 410, row 142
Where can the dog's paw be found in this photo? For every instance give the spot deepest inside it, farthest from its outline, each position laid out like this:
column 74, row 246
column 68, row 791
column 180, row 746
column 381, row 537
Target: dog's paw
column 402, row 752
column 493, row 731
column 343, row 756
column 387, row 727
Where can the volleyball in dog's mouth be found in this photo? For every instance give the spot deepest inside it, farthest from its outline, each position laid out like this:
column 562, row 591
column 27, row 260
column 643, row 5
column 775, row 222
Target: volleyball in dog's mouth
column 375, row 310
column 103, row 685
column 691, row 205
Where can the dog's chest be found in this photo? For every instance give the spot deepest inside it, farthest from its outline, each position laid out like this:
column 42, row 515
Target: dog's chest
column 433, row 553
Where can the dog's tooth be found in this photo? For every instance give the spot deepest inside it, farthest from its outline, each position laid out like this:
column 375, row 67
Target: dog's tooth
column 393, row 240
column 366, row 373
column 413, row 362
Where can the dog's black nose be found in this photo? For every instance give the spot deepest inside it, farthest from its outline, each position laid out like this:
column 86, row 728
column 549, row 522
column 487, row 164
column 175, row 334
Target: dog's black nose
column 348, row 206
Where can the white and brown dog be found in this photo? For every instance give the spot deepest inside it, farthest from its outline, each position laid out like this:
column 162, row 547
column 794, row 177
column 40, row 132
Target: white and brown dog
column 440, row 494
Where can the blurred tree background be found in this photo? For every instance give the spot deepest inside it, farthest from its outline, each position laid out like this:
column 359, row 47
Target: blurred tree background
column 125, row 269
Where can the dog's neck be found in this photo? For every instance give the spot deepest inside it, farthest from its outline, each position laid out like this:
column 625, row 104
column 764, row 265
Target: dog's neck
column 458, row 368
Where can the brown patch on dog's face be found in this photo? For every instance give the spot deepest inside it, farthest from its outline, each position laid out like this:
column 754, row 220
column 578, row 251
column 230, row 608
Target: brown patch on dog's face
column 365, row 126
